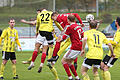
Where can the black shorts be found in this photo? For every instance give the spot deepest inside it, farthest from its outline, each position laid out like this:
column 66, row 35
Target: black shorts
column 89, row 62
column 8, row 55
column 48, row 35
column 109, row 61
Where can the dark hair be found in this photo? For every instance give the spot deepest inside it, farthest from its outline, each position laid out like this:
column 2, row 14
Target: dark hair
column 54, row 13
column 11, row 19
column 118, row 20
column 40, row 9
column 71, row 18
column 93, row 24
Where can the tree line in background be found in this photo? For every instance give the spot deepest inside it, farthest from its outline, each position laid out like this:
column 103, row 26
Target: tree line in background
column 83, row 5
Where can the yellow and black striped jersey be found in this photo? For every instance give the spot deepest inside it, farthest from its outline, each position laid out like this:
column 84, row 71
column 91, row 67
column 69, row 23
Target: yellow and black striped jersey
column 10, row 37
column 44, row 21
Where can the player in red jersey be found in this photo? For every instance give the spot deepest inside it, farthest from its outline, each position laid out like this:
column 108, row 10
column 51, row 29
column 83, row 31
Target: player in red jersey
column 62, row 19
column 75, row 32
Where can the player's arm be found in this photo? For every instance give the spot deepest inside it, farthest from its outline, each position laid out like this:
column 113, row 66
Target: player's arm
column 79, row 19
column 3, row 35
column 84, row 41
column 28, row 22
column 116, row 39
column 113, row 42
column 83, row 46
column 67, row 33
column 17, row 41
column 111, row 49
column 109, row 45
column 58, row 25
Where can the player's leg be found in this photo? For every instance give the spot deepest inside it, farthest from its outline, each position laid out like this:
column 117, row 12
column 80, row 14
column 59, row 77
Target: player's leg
column 107, row 63
column 51, row 67
column 5, row 58
column 15, row 76
column 30, row 59
column 96, row 66
column 75, row 63
column 67, row 60
column 43, row 57
column 56, row 49
column 87, row 64
column 39, row 42
column 84, row 73
column 66, row 67
column 2, row 68
column 13, row 60
column 102, row 65
column 34, row 56
column 71, row 57
column 95, row 73
column 64, row 46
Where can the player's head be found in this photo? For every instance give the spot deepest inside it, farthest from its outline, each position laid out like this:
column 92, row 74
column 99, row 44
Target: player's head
column 54, row 15
column 11, row 22
column 93, row 24
column 38, row 11
column 71, row 18
column 117, row 22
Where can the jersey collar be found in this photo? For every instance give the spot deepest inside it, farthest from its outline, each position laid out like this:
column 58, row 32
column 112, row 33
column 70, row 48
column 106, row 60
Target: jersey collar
column 72, row 23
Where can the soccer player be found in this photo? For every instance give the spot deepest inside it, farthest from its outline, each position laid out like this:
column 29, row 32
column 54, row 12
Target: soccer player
column 62, row 19
column 75, row 33
column 109, row 59
column 94, row 39
column 44, row 29
column 10, row 36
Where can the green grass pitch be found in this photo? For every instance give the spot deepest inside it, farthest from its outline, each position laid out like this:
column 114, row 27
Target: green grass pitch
column 46, row 74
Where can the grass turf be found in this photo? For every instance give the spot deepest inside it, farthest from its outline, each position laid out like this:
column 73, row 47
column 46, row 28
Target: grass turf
column 46, row 74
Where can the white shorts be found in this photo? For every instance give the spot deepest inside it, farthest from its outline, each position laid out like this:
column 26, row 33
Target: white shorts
column 71, row 54
column 41, row 40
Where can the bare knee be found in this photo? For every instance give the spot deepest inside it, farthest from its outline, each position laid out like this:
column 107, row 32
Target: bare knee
column 4, row 62
column 95, row 70
column 84, row 70
column 13, row 61
column 37, row 46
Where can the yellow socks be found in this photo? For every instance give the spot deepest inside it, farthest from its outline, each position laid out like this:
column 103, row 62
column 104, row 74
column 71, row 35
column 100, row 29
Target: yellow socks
column 96, row 77
column 64, row 47
column 14, row 69
column 50, row 52
column 107, row 75
column 30, row 59
column 53, row 70
column 102, row 73
column 2, row 70
column 86, row 77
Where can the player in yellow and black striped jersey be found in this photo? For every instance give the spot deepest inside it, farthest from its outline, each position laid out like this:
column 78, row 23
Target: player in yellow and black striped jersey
column 109, row 60
column 44, row 29
column 94, row 40
column 10, row 36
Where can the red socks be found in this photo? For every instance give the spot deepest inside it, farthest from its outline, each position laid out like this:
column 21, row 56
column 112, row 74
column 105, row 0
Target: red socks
column 34, row 55
column 75, row 61
column 66, row 67
column 56, row 49
column 73, row 70
column 43, row 57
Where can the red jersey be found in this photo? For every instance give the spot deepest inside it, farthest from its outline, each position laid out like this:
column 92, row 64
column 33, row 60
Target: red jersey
column 62, row 19
column 76, row 34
